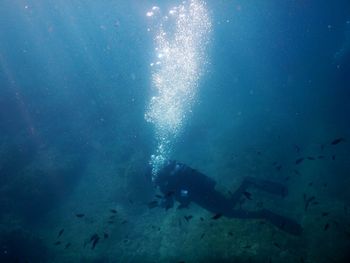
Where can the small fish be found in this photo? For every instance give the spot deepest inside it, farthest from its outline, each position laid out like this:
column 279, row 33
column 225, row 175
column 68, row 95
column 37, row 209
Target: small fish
column 217, row 216
column 112, row 217
column 152, row 204
column 335, row 222
column 230, row 233
column 302, row 260
column 60, row 233
column 94, row 240
column 86, row 242
column 311, row 158
column 159, row 196
column 170, row 193
column 124, row 222
column 247, row 195
column 326, row 226
column 297, row 148
column 277, row 245
column 307, row 201
column 333, row 157
column 67, row 245
column 110, row 222
column 247, row 246
column 347, row 233
column 113, row 211
column 279, row 167
column 296, row 172
column 105, row 235
column 79, row 215
column 338, row 140
column 202, row 235
column 320, row 157
column 322, row 147
column 274, row 163
column 57, row 243
column 310, row 184
column 94, row 236
column 259, row 204
column 325, row 213
column 299, row 160
column 287, row 178
column 201, row 218
column 188, row 218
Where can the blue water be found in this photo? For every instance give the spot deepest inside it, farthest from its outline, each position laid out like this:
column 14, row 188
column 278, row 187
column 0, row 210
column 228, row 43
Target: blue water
column 75, row 84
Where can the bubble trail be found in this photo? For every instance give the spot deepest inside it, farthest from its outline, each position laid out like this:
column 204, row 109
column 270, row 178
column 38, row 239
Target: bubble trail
column 181, row 39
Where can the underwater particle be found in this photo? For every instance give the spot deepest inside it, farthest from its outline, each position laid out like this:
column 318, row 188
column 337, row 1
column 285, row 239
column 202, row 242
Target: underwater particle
column 297, row 148
column 149, row 13
column 152, row 204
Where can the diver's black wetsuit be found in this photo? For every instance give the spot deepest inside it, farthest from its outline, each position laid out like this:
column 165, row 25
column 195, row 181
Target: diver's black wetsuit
column 184, row 184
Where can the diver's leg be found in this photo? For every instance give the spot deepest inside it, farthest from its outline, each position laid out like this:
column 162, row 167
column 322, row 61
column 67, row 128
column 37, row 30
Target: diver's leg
column 265, row 185
column 286, row 224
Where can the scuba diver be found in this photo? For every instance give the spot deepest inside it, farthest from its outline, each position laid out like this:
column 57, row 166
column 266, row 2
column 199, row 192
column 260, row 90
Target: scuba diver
column 183, row 184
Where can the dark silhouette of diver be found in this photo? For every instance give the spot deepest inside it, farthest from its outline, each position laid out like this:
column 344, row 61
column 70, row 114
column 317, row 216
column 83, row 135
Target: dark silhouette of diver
column 180, row 182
